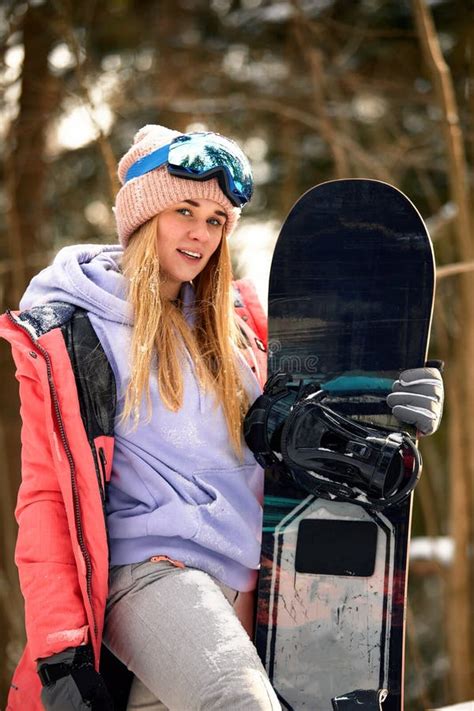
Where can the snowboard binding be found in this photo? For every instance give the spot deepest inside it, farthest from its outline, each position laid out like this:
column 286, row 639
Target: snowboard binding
column 326, row 453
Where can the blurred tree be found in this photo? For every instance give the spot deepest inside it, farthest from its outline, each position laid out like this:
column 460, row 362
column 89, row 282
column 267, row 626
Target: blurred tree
column 25, row 171
column 313, row 89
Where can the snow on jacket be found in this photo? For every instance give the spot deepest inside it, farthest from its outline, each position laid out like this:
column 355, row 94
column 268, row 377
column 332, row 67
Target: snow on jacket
column 62, row 551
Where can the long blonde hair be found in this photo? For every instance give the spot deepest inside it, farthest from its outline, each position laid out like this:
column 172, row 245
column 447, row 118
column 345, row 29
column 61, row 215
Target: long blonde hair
column 162, row 334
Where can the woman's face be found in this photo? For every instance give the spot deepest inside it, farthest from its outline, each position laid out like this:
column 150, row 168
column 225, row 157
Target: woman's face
column 188, row 234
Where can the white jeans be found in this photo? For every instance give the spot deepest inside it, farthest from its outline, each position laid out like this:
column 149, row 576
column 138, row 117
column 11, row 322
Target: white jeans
column 177, row 631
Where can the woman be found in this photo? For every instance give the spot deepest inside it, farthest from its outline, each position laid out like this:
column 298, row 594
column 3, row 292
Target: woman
column 140, row 518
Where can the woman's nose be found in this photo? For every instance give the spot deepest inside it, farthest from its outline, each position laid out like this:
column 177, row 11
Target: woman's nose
column 199, row 230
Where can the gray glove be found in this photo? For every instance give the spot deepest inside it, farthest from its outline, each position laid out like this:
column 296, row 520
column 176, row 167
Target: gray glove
column 417, row 399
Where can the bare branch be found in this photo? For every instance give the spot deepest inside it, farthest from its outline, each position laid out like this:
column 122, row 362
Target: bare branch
column 437, row 223
column 368, row 161
column 451, row 269
column 314, row 61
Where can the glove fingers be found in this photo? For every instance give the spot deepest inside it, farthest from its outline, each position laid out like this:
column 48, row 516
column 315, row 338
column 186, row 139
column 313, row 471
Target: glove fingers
column 425, row 387
column 417, row 400
column 424, row 420
column 416, row 375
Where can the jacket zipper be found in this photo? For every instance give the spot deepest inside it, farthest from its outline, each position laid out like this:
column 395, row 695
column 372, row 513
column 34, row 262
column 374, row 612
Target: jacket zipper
column 72, row 468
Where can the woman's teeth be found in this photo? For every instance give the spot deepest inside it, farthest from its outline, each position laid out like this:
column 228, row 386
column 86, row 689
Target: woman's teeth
column 194, row 255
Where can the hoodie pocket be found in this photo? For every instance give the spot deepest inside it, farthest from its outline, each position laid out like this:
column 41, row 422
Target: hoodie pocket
column 230, row 521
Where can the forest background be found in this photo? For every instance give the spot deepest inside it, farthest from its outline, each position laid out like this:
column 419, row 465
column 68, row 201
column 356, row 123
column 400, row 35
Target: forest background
column 313, row 90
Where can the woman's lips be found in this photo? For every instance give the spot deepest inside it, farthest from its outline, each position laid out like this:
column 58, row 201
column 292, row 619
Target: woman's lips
column 190, row 254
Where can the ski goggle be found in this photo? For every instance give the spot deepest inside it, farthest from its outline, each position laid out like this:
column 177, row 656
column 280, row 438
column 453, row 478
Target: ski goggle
column 202, row 156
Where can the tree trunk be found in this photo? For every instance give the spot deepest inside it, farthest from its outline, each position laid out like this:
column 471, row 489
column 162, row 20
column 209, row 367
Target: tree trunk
column 460, row 386
column 25, row 169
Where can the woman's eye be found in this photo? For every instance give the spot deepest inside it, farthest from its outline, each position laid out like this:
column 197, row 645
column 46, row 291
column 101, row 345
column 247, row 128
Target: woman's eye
column 214, row 221
column 184, row 210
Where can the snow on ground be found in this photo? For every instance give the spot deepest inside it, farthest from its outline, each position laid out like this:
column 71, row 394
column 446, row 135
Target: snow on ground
column 440, row 549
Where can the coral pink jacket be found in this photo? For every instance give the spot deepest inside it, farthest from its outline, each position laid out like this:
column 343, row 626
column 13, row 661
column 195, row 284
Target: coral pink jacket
column 61, row 551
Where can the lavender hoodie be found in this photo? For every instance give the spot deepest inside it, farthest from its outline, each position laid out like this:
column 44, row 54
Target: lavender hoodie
column 177, row 488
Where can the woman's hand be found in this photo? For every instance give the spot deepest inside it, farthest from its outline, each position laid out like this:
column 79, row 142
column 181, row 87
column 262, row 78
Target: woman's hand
column 417, row 399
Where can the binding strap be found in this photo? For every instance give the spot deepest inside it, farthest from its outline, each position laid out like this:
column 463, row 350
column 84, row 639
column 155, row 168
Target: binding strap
column 257, row 427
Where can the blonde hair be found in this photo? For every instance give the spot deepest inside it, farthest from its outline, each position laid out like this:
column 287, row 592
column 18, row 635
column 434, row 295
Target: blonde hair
column 161, row 334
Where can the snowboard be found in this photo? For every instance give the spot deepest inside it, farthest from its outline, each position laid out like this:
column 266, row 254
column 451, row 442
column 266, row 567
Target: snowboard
column 350, row 301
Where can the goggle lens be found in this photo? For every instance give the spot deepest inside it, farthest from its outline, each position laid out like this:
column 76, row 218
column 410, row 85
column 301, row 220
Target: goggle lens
column 200, row 156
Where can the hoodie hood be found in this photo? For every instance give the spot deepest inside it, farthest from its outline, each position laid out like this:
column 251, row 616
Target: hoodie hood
column 87, row 276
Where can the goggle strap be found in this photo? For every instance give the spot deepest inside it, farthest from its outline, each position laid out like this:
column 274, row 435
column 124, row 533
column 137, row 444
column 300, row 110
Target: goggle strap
column 220, row 173
column 152, row 160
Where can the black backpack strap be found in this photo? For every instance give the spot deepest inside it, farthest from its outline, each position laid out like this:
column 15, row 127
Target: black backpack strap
column 96, row 388
column 118, row 679
column 94, row 376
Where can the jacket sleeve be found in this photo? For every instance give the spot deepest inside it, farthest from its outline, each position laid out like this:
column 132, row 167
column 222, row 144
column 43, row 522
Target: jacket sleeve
column 55, row 617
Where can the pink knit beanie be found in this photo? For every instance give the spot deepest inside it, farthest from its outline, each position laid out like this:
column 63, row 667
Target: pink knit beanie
column 139, row 199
